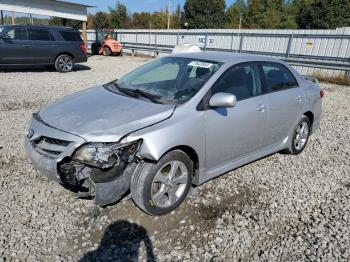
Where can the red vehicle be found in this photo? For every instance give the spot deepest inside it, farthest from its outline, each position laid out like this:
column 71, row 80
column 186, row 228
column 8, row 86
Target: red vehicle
column 110, row 46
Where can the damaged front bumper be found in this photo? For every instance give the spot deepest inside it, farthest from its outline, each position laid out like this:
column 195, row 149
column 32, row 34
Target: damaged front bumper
column 53, row 151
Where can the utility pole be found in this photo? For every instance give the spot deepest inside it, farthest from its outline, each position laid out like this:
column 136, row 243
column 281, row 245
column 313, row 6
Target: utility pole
column 168, row 16
column 13, row 17
column 2, row 17
column 240, row 22
column 150, row 21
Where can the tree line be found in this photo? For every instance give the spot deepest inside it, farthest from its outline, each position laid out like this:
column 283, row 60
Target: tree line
column 201, row 14
column 257, row 14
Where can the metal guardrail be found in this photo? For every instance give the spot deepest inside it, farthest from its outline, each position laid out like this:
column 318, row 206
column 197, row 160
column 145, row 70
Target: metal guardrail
column 331, row 50
column 298, row 60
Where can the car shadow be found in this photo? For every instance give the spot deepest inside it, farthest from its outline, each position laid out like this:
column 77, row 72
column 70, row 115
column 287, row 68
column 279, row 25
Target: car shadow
column 19, row 69
column 121, row 241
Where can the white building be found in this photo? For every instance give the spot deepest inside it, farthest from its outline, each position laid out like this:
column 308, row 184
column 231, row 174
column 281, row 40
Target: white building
column 52, row 8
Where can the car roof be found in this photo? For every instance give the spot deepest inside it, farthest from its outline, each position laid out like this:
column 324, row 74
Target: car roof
column 225, row 57
column 43, row 26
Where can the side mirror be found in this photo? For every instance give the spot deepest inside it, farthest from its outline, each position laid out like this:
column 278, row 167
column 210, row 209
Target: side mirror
column 223, row 100
column 5, row 37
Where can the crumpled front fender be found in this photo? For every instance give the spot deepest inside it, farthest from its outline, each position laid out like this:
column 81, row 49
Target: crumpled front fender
column 112, row 191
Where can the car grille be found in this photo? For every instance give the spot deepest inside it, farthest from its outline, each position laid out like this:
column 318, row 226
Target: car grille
column 50, row 147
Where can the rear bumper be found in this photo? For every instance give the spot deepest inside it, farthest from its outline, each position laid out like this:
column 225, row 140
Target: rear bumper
column 81, row 58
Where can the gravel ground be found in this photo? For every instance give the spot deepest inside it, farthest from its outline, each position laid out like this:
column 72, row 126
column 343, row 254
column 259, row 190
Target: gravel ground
column 281, row 207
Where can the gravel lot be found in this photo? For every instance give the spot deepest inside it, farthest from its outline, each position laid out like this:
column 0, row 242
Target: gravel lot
column 279, row 208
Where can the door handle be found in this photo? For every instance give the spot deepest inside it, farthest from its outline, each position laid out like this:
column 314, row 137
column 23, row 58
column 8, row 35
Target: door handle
column 299, row 98
column 261, row 108
column 26, row 45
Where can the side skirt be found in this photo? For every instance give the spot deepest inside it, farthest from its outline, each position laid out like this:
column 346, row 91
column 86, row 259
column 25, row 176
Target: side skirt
column 206, row 175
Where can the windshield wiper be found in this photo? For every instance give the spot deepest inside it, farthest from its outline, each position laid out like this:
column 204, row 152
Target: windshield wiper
column 124, row 90
column 138, row 93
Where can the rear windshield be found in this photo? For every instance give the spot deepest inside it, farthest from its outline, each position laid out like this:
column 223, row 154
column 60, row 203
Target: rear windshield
column 71, row 36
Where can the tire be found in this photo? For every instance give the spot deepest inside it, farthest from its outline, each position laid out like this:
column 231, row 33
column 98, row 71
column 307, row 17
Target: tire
column 64, row 63
column 95, row 48
column 107, row 51
column 120, row 53
column 155, row 197
column 301, row 134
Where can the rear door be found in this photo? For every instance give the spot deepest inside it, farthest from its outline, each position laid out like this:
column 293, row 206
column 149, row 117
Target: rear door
column 43, row 45
column 16, row 49
column 286, row 101
column 71, row 41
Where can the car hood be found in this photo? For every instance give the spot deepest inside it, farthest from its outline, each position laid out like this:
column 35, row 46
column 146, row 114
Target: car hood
column 99, row 115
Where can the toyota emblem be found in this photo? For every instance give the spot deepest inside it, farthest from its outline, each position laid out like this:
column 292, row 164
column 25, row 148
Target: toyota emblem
column 30, row 133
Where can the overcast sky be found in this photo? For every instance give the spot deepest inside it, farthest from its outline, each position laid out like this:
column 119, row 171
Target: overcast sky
column 133, row 5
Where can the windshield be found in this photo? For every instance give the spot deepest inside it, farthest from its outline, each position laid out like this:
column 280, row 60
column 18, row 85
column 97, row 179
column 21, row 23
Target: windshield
column 170, row 79
column 2, row 28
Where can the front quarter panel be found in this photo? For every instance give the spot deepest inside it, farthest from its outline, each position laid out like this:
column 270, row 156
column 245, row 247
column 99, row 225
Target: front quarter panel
column 182, row 129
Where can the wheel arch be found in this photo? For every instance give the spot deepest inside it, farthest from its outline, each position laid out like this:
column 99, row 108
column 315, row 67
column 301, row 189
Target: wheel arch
column 65, row 53
column 108, row 46
column 188, row 150
column 310, row 115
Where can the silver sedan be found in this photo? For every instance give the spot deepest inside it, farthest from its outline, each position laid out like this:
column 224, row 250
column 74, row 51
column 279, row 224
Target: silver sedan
column 172, row 124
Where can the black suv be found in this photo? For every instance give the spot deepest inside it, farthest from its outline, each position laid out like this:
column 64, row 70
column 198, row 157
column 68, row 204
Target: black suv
column 41, row 45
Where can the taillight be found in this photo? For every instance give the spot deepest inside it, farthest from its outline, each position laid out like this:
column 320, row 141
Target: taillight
column 322, row 93
column 83, row 47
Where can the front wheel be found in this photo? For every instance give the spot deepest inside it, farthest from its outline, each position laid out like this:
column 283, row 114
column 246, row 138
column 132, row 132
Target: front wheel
column 159, row 188
column 301, row 136
column 107, row 51
column 64, row 63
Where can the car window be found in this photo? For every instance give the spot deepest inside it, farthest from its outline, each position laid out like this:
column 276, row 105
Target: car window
column 19, row 33
column 277, row 77
column 166, row 72
column 40, row 35
column 173, row 79
column 71, row 36
column 241, row 80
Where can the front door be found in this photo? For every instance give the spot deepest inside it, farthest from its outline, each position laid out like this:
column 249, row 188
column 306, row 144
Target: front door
column 236, row 132
column 16, row 48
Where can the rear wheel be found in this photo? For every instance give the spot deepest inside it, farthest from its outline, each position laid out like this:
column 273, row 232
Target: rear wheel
column 301, row 136
column 64, row 63
column 159, row 188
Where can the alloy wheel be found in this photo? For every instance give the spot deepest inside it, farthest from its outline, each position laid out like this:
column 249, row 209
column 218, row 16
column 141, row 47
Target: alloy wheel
column 65, row 64
column 301, row 136
column 169, row 184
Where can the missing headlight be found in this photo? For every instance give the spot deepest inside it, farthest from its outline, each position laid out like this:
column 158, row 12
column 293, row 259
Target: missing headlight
column 107, row 155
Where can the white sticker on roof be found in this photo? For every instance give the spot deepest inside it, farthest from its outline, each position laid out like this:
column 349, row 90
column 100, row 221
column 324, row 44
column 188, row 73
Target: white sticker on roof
column 200, row 64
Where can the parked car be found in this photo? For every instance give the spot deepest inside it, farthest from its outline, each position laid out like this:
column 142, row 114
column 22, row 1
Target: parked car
column 61, row 47
column 175, row 122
